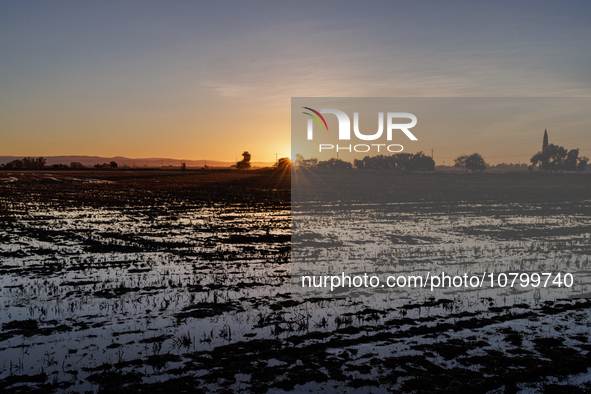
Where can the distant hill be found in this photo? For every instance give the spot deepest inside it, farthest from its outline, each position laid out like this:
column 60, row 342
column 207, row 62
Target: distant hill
column 151, row 162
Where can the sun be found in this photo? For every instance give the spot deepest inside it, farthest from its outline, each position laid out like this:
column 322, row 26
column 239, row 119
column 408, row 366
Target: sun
column 286, row 152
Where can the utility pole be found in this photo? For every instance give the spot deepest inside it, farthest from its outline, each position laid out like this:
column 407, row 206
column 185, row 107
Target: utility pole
column 431, row 152
column 275, row 158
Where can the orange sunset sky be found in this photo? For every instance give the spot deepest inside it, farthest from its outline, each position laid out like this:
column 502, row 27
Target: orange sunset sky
column 194, row 80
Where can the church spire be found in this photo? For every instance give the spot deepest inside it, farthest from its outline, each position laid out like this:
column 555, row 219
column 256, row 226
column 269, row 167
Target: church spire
column 545, row 143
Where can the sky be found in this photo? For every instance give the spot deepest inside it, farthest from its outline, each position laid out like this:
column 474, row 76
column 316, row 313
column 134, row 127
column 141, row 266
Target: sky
column 506, row 128
column 197, row 79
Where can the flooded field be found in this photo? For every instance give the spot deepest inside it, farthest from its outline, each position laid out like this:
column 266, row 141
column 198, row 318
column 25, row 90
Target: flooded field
column 153, row 282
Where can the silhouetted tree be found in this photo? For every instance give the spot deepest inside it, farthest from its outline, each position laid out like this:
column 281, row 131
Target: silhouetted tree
column 473, row 162
column 284, row 163
column 76, row 164
column 298, row 159
column 183, row 166
column 507, row 167
column 307, row 163
column 556, row 158
column 398, row 161
column 310, row 163
column 113, row 164
column 460, row 161
column 15, row 164
column 334, row 164
column 244, row 164
column 28, row 163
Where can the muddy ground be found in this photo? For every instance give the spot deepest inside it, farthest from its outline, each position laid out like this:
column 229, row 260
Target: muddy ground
column 152, row 281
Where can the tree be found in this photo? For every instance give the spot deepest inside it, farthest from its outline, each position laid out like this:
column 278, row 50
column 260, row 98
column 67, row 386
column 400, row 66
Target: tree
column 334, row 164
column 300, row 161
column 16, row 164
column 556, row 158
column 27, row 162
column 310, row 163
column 244, row 164
column 460, row 161
column 474, row 162
column 582, row 166
column 424, row 162
column 284, row 163
column 398, row 161
column 113, row 164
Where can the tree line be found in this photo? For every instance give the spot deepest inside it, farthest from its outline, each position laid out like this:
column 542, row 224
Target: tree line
column 474, row 162
column 552, row 158
column 557, row 158
column 27, row 163
column 398, row 161
column 39, row 163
